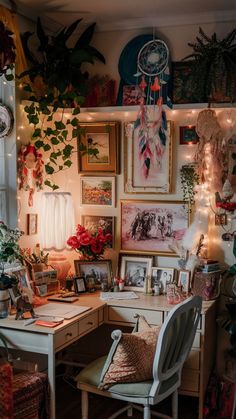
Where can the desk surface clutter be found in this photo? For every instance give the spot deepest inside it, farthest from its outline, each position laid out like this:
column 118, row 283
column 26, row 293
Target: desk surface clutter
column 66, row 311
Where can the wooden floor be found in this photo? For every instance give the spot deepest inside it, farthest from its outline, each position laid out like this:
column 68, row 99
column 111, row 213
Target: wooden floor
column 69, row 406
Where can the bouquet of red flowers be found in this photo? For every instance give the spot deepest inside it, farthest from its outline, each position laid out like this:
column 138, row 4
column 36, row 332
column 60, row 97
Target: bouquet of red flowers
column 90, row 245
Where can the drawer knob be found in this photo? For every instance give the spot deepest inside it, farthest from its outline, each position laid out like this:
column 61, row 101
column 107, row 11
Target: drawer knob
column 68, row 334
column 90, row 323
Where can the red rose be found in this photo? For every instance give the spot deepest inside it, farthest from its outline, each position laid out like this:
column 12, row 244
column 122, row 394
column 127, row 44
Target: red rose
column 73, row 242
column 79, row 229
column 85, row 239
column 97, row 248
column 108, row 237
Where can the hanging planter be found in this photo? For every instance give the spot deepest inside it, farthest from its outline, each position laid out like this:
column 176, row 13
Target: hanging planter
column 57, row 81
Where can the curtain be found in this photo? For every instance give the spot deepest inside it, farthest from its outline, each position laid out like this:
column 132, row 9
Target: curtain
column 57, row 219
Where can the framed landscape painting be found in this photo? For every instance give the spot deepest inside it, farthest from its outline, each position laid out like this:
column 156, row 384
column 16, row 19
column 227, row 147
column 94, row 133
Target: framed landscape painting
column 148, row 160
column 152, row 226
column 102, row 142
column 94, row 222
column 97, row 191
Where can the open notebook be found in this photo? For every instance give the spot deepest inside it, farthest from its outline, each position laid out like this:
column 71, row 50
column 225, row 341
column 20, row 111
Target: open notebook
column 67, row 311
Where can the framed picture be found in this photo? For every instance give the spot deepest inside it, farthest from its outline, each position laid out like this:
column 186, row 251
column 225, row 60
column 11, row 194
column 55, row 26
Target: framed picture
column 134, row 270
column 79, row 284
column 93, row 222
column 184, row 280
column 184, row 89
column 162, row 276
column 97, row 191
column 188, row 135
column 147, row 174
column 152, row 226
column 22, row 274
column 32, row 224
column 95, row 273
column 102, row 141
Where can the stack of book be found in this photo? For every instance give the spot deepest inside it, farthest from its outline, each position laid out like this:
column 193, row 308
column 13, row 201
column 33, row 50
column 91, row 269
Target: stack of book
column 209, row 265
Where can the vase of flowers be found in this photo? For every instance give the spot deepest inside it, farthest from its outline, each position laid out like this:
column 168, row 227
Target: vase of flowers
column 9, row 253
column 91, row 245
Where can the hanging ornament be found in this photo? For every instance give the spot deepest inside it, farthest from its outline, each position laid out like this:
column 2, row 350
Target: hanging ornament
column 30, row 170
column 143, row 84
column 155, row 86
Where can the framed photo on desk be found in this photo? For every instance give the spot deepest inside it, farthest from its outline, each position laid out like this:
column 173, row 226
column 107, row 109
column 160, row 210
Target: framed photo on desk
column 79, row 284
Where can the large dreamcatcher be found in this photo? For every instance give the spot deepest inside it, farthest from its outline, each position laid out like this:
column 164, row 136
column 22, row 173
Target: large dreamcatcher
column 152, row 66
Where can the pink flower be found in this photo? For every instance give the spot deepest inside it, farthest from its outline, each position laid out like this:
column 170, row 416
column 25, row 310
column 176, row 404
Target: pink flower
column 73, row 242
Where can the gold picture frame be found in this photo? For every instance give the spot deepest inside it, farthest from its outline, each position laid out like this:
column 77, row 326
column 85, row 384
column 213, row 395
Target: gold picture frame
column 152, row 227
column 159, row 180
column 104, row 138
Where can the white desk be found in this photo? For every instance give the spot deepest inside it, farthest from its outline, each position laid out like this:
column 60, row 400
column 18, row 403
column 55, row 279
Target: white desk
column 48, row 341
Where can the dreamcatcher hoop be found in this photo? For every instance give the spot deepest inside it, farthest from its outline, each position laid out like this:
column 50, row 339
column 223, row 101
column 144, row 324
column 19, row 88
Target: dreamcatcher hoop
column 153, row 58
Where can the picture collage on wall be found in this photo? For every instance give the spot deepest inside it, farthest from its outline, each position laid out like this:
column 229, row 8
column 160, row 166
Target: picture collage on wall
column 147, row 228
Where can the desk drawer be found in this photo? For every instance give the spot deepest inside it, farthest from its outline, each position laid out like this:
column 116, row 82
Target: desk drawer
column 126, row 315
column 193, row 360
column 189, row 380
column 66, row 335
column 88, row 323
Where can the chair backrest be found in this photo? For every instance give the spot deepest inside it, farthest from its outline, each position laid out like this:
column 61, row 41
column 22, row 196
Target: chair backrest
column 174, row 343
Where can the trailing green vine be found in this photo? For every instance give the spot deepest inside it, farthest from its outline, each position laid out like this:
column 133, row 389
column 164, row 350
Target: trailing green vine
column 56, row 84
column 189, row 179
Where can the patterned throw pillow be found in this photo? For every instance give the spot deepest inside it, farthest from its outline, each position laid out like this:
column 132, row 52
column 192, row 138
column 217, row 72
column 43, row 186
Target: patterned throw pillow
column 133, row 357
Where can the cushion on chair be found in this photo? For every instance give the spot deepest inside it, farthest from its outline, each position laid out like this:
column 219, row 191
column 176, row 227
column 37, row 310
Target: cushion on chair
column 131, row 356
column 91, row 375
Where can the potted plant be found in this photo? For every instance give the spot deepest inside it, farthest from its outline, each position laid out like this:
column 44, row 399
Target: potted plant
column 58, row 81
column 213, row 71
column 9, row 252
column 189, row 179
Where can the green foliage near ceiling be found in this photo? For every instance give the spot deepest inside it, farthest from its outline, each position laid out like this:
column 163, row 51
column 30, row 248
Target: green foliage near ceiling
column 57, row 81
column 214, row 70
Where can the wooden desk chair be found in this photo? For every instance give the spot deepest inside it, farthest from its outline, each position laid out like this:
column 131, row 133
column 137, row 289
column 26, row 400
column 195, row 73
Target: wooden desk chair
column 173, row 345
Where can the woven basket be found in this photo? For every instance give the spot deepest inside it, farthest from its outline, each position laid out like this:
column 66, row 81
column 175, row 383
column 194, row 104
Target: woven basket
column 207, row 285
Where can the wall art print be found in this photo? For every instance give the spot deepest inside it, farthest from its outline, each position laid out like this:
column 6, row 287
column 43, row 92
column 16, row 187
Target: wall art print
column 158, row 177
column 151, row 226
column 102, row 141
column 94, row 222
column 97, row 191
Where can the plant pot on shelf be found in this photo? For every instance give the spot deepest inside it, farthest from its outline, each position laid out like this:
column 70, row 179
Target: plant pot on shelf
column 4, row 303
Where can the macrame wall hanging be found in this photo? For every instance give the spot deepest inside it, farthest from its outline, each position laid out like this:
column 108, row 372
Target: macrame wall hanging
column 30, row 170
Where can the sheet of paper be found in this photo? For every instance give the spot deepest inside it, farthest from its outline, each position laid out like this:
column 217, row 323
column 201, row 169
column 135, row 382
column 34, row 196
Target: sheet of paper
column 66, row 311
column 124, row 295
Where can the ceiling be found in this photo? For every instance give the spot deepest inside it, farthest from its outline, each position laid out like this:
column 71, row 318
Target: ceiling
column 128, row 14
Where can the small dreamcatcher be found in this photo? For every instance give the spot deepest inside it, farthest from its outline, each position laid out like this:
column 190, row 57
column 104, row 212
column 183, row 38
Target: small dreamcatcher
column 152, row 66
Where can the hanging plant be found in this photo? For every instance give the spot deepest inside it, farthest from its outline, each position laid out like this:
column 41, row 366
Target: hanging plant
column 57, row 81
column 214, row 65
column 7, row 52
column 189, row 179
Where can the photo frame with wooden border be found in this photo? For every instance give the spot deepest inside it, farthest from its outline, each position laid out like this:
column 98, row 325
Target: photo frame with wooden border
column 163, row 276
column 104, row 138
column 79, row 284
column 95, row 273
column 98, row 192
column 188, row 135
column 32, row 224
column 152, row 227
column 106, row 222
column 184, row 280
column 135, row 270
column 159, row 178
